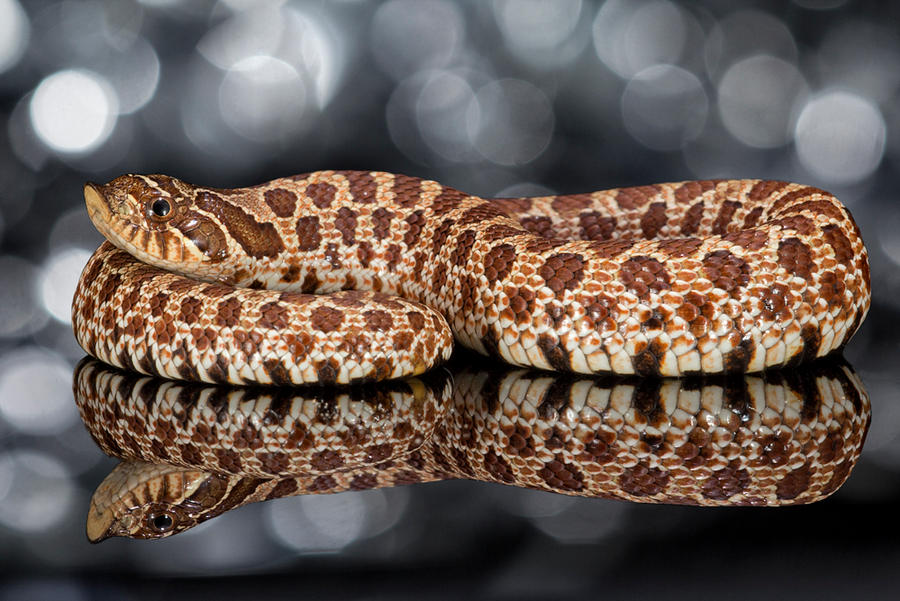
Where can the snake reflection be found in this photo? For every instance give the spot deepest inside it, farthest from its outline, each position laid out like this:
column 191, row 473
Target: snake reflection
column 191, row 452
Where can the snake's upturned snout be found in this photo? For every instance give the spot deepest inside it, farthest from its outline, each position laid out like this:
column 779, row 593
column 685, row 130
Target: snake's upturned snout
column 95, row 199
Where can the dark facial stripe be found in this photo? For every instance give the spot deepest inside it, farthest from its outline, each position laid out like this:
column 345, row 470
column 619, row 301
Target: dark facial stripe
column 238, row 494
column 257, row 239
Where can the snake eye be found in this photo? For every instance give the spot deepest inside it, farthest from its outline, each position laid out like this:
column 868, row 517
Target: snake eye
column 160, row 207
column 161, row 522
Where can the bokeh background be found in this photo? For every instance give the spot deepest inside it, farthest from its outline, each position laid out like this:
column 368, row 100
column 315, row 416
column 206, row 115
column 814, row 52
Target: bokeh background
column 502, row 97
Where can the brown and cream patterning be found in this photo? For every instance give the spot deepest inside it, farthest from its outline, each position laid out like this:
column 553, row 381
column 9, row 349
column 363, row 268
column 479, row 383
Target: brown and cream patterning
column 193, row 451
column 670, row 279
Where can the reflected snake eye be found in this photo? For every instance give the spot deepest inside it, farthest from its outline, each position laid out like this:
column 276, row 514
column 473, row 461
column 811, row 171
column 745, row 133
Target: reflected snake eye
column 160, row 207
column 161, row 522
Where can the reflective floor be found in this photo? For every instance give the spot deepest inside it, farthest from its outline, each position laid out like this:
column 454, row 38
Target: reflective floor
column 502, row 98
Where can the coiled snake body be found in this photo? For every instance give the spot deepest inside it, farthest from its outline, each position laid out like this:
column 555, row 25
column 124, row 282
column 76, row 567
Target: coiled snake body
column 671, row 279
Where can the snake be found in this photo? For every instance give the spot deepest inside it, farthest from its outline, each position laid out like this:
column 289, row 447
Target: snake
column 193, row 451
column 335, row 277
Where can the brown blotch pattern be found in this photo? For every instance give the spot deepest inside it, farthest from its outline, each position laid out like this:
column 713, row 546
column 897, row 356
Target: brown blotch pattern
column 345, row 223
column 680, row 247
column 541, row 245
column 795, row 257
column 365, row 253
column 726, row 482
column 310, row 283
column 571, row 204
column 563, row 271
column 190, row 309
column 653, row 220
column 439, row 238
column 610, row 248
column 599, row 309
column 636, row 197
column 644, row 275
column 326, row 319
column 690, row 223
column 363, row 187
column 281, row 201
column 798, row 223
column 811, row 342
column 555, row 355
column 381, row 221
column 643, row 481
column 393, row 256
column 513, row 206
column 229, row 460
column 308, row 234
column 498, row 262
column 416, row 320
column 481, row 212
column 407, row 190
column 764, row 189
column 723, row 219
column 817, row 206
column 690, row 190
column 327, row 460
column 321, row 194
column 446, row 201
column 364, row 481
column 291, row 274
column 284, row 488
column 228, row 312
column 726, row 270
column 538, row 224
column 464, row 243
column 500, row 231
column 646, row 362
column 415, row 222
column 562, row 475
column 751, row 239
column 322, row 483
column 203, row 233
column 377, row 319
column 843, row 250
column 796, row 482
column 274, row 315
column 752, row 217
column 327, row 370
column 789, row 199
column 739, row 358
column 596, row 226
column 775, row 300
column 334, row 256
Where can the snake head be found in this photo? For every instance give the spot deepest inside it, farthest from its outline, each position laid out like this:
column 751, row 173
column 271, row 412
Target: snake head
column 150, row 501
column 154, row 218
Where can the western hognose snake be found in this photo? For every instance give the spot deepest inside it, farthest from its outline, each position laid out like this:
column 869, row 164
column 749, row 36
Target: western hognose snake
column 670, row 279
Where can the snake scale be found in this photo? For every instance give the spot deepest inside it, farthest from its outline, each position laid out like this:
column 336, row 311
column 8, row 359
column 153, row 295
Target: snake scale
column 194, row 451
column 334, row 277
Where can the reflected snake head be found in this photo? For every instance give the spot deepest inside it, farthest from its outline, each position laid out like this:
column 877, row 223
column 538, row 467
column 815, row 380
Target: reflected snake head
column 155, row 218
column 149, row 501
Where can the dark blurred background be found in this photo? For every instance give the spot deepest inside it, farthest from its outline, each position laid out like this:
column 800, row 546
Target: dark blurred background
column 508, row 97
